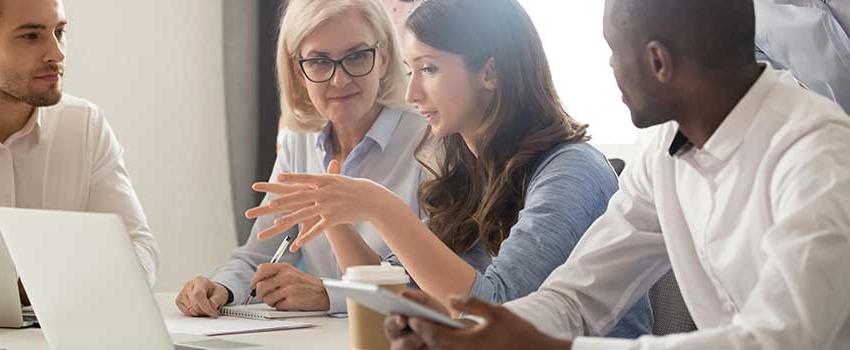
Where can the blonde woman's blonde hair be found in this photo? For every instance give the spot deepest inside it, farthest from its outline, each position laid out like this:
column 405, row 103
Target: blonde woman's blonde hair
column 301, row 19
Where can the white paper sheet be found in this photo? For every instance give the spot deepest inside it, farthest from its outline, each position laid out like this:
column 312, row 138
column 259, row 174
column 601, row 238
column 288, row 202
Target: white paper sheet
column 227, row 325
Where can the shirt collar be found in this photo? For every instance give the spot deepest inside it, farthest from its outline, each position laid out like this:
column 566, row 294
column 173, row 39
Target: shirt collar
column 38, row 125
column 32, row 128
column 680, row 145
column 383, row 128
column 381, row 131
column 732, row 131
column 324, row 137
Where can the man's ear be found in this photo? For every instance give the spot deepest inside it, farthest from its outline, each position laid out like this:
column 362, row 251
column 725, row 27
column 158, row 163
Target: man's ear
column 660, row 61
column 489, row 75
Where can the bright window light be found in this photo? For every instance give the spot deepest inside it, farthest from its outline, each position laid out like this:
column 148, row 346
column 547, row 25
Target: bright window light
column 578, row 55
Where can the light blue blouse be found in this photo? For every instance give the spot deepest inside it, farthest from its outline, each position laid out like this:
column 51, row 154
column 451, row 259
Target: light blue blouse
column 385, row 155
column 566, row 193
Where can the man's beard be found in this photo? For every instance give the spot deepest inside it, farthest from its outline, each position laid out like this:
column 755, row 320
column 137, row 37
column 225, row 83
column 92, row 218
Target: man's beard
column 15, row 87
column 43, row 99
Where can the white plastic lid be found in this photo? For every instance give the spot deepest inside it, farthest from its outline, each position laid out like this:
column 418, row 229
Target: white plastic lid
column 384, row 274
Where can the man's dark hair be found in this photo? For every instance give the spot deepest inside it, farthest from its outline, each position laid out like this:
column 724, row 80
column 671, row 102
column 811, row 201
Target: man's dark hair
column 712, row 33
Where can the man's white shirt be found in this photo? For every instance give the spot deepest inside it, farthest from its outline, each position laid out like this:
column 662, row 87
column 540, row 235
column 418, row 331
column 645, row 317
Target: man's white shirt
column 756, row 226
column 66, row 157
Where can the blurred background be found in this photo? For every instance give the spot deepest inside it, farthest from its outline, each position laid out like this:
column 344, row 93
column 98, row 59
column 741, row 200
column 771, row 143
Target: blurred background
column 189, row 87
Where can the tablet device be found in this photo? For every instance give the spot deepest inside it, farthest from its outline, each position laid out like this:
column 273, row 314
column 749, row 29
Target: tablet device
column 386, row 302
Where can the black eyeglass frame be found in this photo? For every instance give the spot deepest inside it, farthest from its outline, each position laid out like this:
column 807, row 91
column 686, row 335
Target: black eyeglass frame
column 338, row 63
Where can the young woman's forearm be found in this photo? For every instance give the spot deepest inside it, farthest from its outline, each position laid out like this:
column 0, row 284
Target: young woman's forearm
column 349, row 248
column 434, row 267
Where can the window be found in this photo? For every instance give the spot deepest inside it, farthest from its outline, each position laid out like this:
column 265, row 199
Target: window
column 578, row 55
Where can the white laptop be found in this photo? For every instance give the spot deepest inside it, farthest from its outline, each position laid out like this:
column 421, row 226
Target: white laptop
column 12, row 314
column 85, row 282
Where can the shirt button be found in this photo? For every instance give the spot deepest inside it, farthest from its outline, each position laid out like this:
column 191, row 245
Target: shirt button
column 728, row 307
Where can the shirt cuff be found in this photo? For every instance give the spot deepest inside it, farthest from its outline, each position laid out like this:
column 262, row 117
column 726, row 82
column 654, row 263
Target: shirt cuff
column 234, row 286
column 595, row 343
column 148, row 261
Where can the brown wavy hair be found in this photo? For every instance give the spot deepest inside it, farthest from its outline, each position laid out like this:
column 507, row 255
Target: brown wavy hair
column 477, row 199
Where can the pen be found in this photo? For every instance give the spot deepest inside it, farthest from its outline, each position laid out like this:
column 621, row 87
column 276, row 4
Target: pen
column 284, row 246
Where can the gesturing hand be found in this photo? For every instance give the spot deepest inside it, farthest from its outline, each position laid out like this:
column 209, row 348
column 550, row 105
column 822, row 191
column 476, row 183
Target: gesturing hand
column 319, row 202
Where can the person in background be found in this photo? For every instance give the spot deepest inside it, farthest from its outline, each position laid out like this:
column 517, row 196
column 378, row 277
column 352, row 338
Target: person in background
column 399, row 9
column 745, row 193
column 811, row 38
column 513, row 185
column 342, row 96
column 57, row 151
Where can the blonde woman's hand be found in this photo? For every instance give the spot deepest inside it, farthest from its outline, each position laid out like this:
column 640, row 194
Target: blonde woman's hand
column 201, row 297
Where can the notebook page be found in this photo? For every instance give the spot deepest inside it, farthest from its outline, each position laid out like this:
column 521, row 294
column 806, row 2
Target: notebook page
column 227, row 325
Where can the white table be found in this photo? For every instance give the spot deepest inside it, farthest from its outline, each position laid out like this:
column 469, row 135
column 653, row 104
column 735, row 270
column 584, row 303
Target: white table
column 328, row 333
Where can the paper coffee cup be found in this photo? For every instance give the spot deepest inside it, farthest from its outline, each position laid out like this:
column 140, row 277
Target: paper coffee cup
column 365, row 325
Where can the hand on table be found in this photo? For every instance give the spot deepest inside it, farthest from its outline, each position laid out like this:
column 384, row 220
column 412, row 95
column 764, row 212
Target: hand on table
column 285, row 288
column 201, row 297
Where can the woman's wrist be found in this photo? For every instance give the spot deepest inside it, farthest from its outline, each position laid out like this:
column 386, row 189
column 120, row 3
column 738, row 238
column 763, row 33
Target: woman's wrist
column 343, row 229
column 384, row 205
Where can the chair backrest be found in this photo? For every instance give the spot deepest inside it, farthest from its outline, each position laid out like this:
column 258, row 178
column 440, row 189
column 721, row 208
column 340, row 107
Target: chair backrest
column 669, row 311
column 618, row 165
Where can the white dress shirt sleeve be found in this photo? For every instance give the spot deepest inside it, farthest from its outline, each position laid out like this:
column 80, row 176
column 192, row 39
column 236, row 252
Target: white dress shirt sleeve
column 616, row 262
column 111, row 191
column 802, row 297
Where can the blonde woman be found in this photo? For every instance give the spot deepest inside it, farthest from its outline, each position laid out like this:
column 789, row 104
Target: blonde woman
column 342, row 89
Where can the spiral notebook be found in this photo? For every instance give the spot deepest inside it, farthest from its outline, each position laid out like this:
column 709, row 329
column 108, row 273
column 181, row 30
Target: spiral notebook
column 265, row 312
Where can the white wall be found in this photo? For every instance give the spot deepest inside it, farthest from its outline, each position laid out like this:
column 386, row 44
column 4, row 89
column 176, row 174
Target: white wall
column 241, row 77
column 156, row 68
column 578, row 55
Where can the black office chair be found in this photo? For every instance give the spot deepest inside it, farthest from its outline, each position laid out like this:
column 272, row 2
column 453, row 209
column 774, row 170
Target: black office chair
column 669, row 311
column 618, row 165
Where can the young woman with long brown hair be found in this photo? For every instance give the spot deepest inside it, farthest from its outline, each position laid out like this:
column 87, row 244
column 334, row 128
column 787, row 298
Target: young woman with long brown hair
column 514, row 184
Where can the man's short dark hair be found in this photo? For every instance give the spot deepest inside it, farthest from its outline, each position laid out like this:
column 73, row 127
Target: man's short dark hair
column 713, row 33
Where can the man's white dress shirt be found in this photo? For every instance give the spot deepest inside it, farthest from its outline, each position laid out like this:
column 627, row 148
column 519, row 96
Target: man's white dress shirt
column 67, row 158
column 756, row 226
